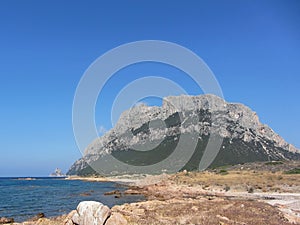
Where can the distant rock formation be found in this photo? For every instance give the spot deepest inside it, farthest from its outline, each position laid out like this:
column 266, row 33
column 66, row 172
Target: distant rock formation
column 245, row 138
column 57, row 173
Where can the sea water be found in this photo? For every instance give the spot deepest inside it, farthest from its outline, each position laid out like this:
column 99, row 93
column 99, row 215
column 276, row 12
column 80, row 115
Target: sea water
column 23, row 199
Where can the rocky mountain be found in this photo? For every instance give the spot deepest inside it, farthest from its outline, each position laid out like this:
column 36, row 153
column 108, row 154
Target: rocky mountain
column 146, row 135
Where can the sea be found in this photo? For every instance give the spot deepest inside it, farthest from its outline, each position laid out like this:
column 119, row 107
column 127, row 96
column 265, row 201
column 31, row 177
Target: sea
column 22, row 199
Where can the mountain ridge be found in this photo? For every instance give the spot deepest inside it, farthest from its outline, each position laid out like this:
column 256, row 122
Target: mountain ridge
column 146, row 127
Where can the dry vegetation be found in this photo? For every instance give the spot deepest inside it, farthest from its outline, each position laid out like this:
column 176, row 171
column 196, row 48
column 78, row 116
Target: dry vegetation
column 201, row 211
column 261, row 181
column 232, row 195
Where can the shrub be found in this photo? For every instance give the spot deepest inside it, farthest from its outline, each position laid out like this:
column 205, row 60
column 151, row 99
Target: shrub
column 227, row 188
column 293, row 171
column 223, row 172
column 250, row 189
column 273, row 163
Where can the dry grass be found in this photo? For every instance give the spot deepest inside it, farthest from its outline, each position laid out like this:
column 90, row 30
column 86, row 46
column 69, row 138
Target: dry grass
column 201, row 211
column 212, row 198
column 262, row 181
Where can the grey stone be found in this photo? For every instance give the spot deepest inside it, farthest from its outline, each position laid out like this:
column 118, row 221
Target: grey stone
column 90, row 213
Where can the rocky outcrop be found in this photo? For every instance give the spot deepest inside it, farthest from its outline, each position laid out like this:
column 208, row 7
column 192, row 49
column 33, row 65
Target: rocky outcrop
column 4, row 220
column 245, row 138
column 94, row 213
column 88, row 213
column 116, row 219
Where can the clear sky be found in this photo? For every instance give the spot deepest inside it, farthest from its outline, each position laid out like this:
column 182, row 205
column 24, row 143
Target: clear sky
column 253, row 48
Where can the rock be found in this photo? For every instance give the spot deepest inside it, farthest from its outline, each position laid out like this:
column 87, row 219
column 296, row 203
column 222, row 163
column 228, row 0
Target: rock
column 116, row 219
column 40, row 215
column 68, row 220
column 132, row 192
column 4, row 220
column 90, row 213
column 245, row 138
column 85, row 194
column 37, row 217
column 57, row 173
column 115, row 192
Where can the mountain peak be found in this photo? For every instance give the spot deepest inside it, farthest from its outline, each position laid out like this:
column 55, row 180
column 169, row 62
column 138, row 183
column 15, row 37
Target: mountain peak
column 245, row 138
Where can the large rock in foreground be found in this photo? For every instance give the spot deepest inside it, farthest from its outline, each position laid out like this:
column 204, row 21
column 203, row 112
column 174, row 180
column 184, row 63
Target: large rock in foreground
column 89, row 213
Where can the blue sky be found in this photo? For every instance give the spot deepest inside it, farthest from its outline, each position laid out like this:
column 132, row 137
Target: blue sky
column 253, row 48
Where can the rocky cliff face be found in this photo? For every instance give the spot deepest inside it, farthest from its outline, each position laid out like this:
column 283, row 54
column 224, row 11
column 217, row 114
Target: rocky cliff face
column 158, row 129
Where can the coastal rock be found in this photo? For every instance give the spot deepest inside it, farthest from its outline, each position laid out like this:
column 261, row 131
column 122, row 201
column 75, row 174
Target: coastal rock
column 116, row 193
column 89, row 213
column 37, row 217
column 68, row 220
column 116, row 219
column 4, row 220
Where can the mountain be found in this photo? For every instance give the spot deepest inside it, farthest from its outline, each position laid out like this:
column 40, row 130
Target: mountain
column 146, row 135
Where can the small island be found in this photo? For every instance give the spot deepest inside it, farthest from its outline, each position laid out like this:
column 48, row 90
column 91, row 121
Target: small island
column 57, row 173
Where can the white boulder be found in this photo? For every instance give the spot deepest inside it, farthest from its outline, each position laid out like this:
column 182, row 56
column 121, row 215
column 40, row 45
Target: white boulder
column 90, row 213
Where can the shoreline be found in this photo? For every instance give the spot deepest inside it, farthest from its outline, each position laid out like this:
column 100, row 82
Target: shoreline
column 284, row 200
column 265, row 188
column 50, row 217
column 256, row 196
column 128, row 180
